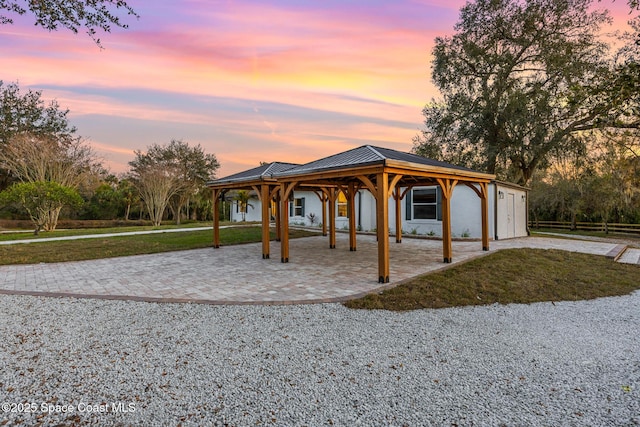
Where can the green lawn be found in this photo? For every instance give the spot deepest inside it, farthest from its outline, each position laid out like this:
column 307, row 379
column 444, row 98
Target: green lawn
column 28, row 235
column 84, row 249
column 511, row 276
column 630, row 237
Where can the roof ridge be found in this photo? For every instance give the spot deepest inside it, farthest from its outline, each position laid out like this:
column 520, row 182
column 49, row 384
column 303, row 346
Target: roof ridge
column 376, row 152
column 272, row 165
column 268, row 167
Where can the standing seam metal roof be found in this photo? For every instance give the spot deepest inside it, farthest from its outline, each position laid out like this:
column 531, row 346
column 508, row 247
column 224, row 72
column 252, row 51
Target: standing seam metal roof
column 262, row 171
column 362, row 156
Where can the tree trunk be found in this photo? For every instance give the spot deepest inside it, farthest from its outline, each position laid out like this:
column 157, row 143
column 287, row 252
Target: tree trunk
column 52, row 219
column 175, row 212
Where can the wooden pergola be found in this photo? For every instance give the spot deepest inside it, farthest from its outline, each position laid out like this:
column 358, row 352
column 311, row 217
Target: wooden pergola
column 383, row 172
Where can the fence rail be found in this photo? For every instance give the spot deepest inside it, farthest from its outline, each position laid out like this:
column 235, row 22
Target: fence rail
column 588, row 226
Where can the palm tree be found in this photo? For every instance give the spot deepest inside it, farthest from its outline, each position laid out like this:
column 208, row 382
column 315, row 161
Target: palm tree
column 243, row 197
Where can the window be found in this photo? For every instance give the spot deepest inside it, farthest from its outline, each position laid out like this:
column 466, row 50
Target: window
column 296, row 208
column 425, row 203
column 342, row 204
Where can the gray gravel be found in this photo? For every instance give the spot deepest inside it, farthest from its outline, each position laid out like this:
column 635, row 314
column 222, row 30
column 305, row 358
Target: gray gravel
column 169, row 364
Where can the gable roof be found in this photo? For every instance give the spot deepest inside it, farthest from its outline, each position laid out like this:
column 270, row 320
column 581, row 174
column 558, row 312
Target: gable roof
column 364, row 156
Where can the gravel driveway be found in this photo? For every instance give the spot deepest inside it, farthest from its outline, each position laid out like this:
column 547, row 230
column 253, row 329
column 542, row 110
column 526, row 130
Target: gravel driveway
column 97, row 362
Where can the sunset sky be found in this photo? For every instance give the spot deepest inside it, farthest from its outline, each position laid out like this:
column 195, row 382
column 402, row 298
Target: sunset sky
column 249, row 81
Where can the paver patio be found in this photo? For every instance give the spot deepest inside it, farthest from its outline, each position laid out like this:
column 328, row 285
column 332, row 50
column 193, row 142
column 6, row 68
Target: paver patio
column 238, row 274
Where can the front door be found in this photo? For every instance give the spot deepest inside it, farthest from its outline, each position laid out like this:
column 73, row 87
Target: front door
column 511, row 219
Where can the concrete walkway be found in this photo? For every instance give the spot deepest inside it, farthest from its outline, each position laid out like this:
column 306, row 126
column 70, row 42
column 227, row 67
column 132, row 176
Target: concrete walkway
column 238, row 274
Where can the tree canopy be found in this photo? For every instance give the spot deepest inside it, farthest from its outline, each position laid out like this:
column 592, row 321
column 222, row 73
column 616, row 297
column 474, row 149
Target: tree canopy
column 168, row 175
column 27, row 112
column 520, row 80
column 38, row 159
column 92, row 15
column 41, row 199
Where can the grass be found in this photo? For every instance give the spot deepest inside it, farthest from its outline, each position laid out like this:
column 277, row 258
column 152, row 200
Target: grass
column 28, row 234
column 592, row 233
column 85, row 249
column 511, row 276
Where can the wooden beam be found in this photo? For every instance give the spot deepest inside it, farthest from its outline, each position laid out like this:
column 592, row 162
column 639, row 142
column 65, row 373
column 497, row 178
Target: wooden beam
column 274, row 192
column 382, row 226
column 258, row 191
column 367, row 182
column 399, row 166
column 265, row 201
column 394, row 182
column 351, row 200
column 216, row 218
column 333, row 175
column 477, row 190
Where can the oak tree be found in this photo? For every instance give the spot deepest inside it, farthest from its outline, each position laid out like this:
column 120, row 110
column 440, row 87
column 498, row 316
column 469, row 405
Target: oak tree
column 519, row 80
column 92, row 15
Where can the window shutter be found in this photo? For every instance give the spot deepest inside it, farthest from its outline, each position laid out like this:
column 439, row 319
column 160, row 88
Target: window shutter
column 291, row 207
column 407, row 199
column 302, row 207
column 439, row 203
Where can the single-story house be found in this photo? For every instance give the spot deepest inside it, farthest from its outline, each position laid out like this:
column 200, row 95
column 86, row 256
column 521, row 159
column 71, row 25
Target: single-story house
column 372, row 188
column 421, row 211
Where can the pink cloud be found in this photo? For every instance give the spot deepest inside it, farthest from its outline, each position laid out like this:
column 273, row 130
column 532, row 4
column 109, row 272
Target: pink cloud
column 360, row 75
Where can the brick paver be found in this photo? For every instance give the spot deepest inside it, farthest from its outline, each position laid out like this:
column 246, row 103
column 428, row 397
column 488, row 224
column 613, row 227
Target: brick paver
column 238, row 274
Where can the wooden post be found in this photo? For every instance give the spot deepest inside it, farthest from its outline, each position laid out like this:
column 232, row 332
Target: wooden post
column 265, row 200
column 447, row 190
column 284, row 216
column 216, row 218
column 332, row 218
column 397, row 198
column 278, row 215
column 323, row 202
column 351, row 198
column 484, row 191
column 382, row 225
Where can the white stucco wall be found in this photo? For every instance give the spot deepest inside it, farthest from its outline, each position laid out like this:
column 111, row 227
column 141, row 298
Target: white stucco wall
column 511, row 210
column 466, row 218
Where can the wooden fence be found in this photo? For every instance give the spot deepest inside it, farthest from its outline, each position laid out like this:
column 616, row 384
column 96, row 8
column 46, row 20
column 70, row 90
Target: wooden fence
column 589, row 226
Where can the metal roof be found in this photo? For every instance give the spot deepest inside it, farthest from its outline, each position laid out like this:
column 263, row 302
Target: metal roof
column 364, row 156
column 257, row 173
